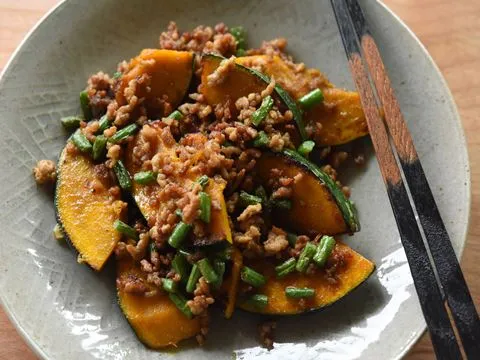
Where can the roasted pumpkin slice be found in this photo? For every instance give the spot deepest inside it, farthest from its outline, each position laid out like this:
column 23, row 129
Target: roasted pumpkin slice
column 341, row 114
column 241, row 81
column 318, row 204
column 155, row 319
column 169, row 74
column 146, row 196
column 353, row 271
column 85, row 209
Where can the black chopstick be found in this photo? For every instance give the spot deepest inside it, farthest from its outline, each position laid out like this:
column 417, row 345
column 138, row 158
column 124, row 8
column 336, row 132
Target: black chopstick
column 435, row 313
column 446, row 263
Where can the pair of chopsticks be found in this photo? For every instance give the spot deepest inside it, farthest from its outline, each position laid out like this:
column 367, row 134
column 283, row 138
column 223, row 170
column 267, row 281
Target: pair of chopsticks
column 360, row 48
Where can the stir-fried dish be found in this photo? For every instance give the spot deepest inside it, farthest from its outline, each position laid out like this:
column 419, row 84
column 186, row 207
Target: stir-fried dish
column 208, row 172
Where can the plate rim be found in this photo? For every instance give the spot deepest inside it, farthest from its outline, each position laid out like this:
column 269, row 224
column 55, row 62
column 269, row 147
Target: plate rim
column 32, row 344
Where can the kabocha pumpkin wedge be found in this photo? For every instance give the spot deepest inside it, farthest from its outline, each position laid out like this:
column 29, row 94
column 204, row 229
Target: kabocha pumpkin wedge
column 156, row 321
column 340, row 114
column 352, row 272
column 86, row 209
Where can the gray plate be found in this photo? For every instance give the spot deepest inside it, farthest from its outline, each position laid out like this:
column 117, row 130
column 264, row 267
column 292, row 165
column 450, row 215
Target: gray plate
column 66, row 311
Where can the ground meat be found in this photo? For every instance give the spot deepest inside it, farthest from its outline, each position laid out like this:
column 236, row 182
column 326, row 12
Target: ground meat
column 100, row 93
column 132, row 284
column 139, row 250
column 337, row 158
column 272, row 47
column 45, row 172
column 249, row 241
column 299, row 245
column 204, row 324
column 276, row 241
column 221, row 71
column 265, row 332
column 114, row 153
column 202, row 298
column 250, row 211
column 359, row 159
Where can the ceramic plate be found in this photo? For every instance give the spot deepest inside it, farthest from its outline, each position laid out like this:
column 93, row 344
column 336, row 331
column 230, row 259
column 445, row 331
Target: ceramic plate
column 66, row 311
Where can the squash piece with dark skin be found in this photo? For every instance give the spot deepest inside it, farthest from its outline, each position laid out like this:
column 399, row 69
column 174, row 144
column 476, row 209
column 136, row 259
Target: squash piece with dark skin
column 156, row 320
column 85, row 208
column 351, row 270
column 318, row 204
column 340, row 114
column 169, row 73
column 146, row 195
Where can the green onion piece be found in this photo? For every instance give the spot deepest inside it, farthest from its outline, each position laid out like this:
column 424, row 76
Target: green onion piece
column 71, row 122
column 261, row 193
column 58, row 233
column 248, row 199
column 283, row 204
column 195, row 274
column 261, row 140
column 207, row 271
column 99, row 147
column 219, row 267
column 179, row 234
column 305, row 257
column 239, row 34
column 103, row 124
column 123, row 133
column 81, row 141
column 117, row 74
column 297, row 293
column 125, row 229
column 324, row 250
column 145, row 177
column 240, row 52
column 203, row 181
column 122, row 175
column 306, row 148
column 286, row 267
column 259, row 115
column 311, row 99
column 205, row 207
column 257, row 301
column 85, row 104
column 181, row 303
column 252, row 277
column 179, row 213
column 177, row 115
column 224, row 254
column 181, row 267
column 169, row 285
column 292, row 239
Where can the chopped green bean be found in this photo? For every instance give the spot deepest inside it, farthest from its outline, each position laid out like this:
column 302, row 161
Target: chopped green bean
column 248, row 199
column 261, row 140
column 324, row 250
column 203, row 181
column 239, row 34
column 124, row 133
column 103, row 124
column 262, row 194
column 123, row 176
column 224, row 254
column 207, row 271
column 298, row 293
column 195, row 274
column 177, row 115
column 286, row 267
column 181, row 303
column 169, row 285
column 179, row 234
column 145, row 177
column 305, row 257
column 306, row 148
column 71, row 122
column 81, row 141
column 258, row 301
column 283, row 204
column 179, row 213
column 85, row 104
column 125, row 229
column 181, row 267
column 205, row 207
column 252, row 277
column 117, row 74
column 99, row 147
column 219, row 267
column 311, row 99
column 259, row 115
column 292, row 239
column 240, row 52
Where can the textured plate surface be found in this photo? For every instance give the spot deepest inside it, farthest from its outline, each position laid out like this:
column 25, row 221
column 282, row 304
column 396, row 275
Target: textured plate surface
column 66, row 311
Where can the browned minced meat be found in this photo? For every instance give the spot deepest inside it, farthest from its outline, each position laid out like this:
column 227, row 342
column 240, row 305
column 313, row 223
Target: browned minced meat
column 299, row 245
column 276, row 241
column 45, row 172
column 265, row 332
column 249, row 241
column 272, row 47
column 221, row 72
column 204, row 324
column 132, row 284
column 337, row 158
column 139, row 250
column 100, row 93
column 359, row 159
column 202, row 298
